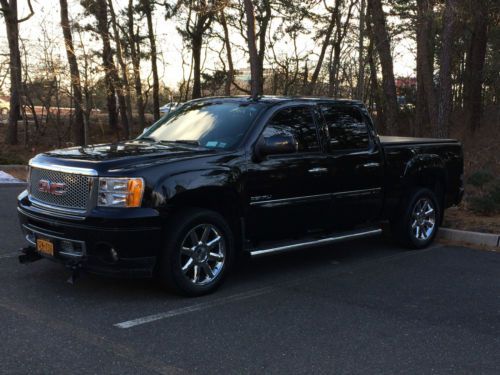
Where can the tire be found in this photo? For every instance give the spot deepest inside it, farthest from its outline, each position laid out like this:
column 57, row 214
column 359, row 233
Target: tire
column 193, row 262
column 418, row 219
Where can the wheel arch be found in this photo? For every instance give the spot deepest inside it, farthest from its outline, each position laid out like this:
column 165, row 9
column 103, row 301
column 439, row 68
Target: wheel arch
column 223, row 200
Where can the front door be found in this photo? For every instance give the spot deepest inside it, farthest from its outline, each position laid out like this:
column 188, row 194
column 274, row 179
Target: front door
column 288, row 194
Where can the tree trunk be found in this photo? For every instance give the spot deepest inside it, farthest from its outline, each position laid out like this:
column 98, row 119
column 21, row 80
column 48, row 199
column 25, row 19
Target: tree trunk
column 375, row 89
column 154, row 67
column 264, row 24
column 136, row 63
column 124, row 81
column 426, row 113
column 383, row 46
column 227, row 43
column 196, row 44
column 328, row 36
column 360, row 84
column 9, row 10
column 445, row 95
column 474, row 65
column 80, row 135
column 256, row 84
column 108, row 64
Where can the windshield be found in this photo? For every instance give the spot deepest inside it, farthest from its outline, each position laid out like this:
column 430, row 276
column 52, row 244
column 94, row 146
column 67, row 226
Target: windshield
column 214, row 124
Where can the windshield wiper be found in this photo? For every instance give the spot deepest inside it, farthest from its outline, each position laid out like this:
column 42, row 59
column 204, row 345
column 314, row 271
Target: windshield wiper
column 151, row 139
column 188, row 141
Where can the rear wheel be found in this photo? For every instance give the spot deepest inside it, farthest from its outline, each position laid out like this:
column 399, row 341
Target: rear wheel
column 418, row 220
column 197, row 254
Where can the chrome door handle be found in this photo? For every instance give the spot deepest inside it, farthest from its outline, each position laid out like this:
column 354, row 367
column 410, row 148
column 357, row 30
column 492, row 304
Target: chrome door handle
column 371, row 165
column 318, row 170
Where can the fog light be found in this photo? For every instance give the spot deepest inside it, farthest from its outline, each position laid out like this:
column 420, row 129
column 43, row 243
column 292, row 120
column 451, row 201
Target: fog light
column 67, row 247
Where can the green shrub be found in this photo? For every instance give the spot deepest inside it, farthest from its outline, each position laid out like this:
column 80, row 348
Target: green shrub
column 480, row 178
column 494, row 193
column 10, row 159
column 482, row 205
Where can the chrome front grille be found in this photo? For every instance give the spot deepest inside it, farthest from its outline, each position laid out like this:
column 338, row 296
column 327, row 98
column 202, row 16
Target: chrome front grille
column 77, row 189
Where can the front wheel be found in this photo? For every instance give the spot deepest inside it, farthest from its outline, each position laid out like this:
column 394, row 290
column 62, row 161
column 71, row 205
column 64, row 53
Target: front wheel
column 197, row 254
column 419, row 218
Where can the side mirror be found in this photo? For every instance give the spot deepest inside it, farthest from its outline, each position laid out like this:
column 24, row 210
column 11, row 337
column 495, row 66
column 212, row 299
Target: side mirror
column 276, row 145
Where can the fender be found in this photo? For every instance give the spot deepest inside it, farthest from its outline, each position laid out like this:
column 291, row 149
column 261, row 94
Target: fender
column 426, row 169
column 201, row 186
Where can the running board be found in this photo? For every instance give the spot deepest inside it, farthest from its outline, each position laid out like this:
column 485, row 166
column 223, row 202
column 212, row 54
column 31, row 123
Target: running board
column 300, row 244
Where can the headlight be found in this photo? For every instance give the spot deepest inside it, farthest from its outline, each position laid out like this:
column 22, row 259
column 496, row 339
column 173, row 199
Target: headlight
column 120, row 192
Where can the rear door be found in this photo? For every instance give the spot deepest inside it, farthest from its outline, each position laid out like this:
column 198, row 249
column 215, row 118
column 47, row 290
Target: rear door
column 289, row 194
column 356, row 164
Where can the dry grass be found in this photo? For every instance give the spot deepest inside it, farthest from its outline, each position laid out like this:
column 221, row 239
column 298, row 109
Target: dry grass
column 460, row 218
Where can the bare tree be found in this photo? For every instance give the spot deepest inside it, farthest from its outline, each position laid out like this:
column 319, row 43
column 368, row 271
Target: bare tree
column 360, row 84
column 474, row 65
column 124, row 81
column 80, row 134
column 444, row 102
column 334, row 13
column 256, row 85
column 229, row 56
column 426, row 113
column 12, row 21
column 383, row 46
column 147, row 8
column 135, row 55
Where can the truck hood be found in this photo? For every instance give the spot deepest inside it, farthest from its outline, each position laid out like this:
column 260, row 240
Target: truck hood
column 123, row 155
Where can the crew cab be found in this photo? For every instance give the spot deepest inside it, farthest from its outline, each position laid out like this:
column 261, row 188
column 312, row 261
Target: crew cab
column 221, row 177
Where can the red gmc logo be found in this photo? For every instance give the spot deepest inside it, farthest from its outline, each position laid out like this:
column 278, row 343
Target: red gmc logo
column 54, row 188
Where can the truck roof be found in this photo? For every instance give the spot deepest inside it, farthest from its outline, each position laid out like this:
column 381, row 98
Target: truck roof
column 271, row 99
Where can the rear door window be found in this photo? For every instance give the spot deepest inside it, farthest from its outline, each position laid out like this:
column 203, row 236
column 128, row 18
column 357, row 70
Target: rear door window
column 346, row 127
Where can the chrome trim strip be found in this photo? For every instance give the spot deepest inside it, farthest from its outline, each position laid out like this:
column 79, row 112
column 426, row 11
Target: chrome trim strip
column 306, row 197
column 82, row 243
column 51, row 208
column 63, row 168
column 287, row 200
column 357, row 192
column 322, row 241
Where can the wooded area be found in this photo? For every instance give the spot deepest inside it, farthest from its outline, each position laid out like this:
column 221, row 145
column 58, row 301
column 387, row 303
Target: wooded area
column 351, row 56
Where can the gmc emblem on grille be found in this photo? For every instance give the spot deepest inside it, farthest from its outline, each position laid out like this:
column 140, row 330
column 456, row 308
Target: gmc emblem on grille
column 54, row 188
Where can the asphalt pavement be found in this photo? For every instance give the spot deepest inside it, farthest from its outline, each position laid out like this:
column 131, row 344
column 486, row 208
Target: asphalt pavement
column 363, row 307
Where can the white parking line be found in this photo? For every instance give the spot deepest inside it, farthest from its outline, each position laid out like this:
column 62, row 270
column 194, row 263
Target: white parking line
column 9, row 255
column 193, row 308
column 261, row 291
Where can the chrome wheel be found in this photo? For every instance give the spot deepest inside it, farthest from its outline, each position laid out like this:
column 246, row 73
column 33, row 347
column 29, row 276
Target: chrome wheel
column 203, row 254
column 423, row 219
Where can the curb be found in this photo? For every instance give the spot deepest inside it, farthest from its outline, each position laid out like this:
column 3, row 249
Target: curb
column 477, row 238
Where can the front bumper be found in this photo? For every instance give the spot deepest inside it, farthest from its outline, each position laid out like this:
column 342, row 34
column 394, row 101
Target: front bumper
column 107, row 242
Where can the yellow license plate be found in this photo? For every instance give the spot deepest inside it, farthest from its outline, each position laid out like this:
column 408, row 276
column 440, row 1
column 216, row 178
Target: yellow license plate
column 45, row 246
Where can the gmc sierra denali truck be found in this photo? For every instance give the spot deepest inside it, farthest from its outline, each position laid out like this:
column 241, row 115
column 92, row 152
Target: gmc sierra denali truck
column 221, row 177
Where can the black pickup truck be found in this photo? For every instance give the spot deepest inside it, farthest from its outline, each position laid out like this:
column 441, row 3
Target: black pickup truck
column 222, row 177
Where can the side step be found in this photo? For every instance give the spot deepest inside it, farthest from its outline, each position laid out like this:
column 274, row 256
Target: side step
column 310, row 242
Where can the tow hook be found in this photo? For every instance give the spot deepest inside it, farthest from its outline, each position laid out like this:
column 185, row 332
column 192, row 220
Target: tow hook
column 28, row 255
column 75, row 272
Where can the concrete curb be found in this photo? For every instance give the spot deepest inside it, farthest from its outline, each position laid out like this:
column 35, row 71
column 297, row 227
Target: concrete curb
column 483, row 239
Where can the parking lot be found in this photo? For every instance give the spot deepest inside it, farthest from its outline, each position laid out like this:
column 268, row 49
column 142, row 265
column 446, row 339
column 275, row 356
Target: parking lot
column 356, row 307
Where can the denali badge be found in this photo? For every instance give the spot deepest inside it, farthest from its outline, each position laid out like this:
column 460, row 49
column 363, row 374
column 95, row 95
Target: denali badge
column 54, row 188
